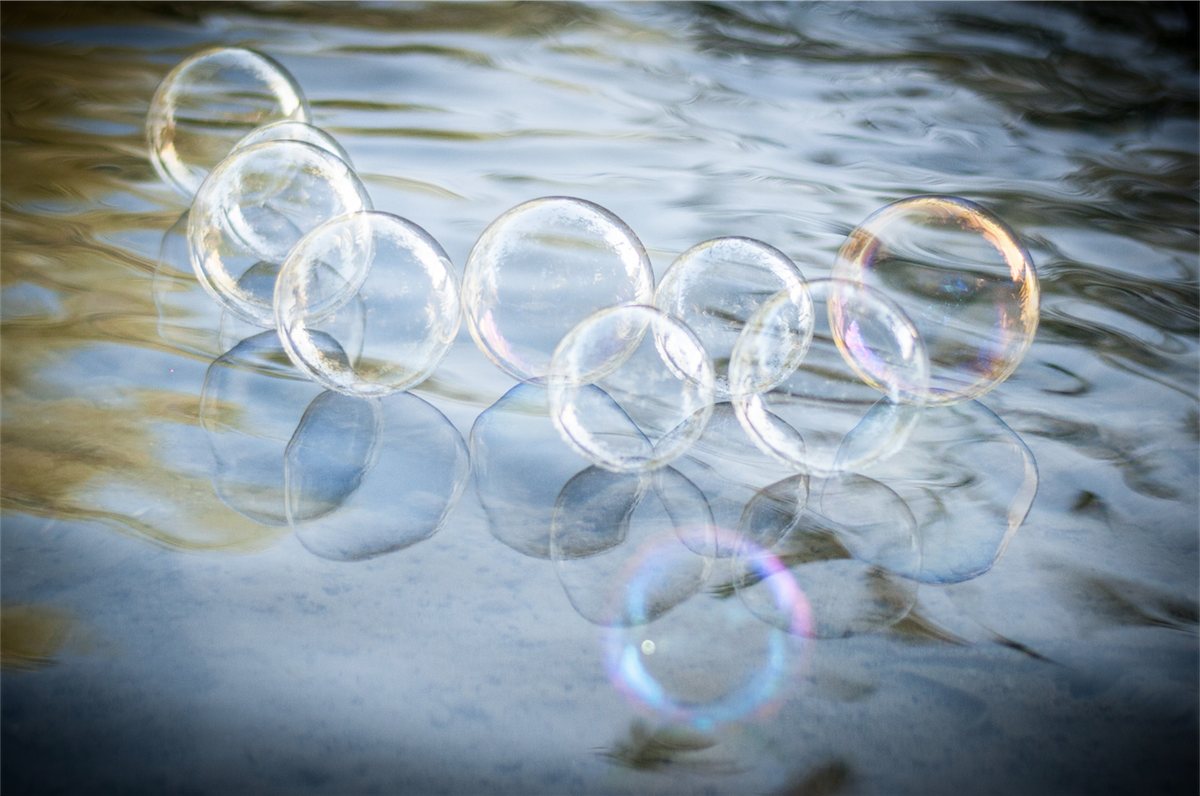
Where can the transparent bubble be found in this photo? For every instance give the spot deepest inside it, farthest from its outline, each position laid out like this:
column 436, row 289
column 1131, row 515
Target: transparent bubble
column 804, row 417
column 520, row 465
column 407, row 464
column 405, row 284
column 603, row 518
column 541, row 268
column 254, row 208
column 295, row 131
column 652, row 367
column 844, row 549
column 709, row 660
column 252, row 400
column 964, row 279
column 207, row 103
column 714, row 288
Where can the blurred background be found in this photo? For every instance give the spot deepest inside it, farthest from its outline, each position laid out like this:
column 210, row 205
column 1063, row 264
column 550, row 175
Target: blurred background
column 159, row 637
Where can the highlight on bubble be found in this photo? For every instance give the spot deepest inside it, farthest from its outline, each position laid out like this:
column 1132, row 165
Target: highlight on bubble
column 709, row 661
column 541, row 268
column 209, row 101
column 962, row 276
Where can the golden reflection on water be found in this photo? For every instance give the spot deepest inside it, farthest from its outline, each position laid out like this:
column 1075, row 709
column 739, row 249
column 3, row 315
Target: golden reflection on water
column 31, row 636
column 75, row 180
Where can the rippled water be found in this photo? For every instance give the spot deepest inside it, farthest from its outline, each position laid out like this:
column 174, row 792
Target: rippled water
column 156, row 639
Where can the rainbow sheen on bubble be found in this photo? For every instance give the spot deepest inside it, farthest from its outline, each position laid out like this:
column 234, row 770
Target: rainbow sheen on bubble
column 709, row 661
column 404, row 283
column 207, row 103
column 541, row 268
column 652, row 367
column 962, row 276
column 254, row 208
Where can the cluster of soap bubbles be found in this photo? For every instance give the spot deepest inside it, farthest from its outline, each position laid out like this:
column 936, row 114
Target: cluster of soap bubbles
column 931, row 302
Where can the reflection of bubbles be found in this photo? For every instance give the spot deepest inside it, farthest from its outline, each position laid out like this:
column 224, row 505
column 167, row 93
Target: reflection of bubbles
column 407, row 464
column 253, row 209
column 709, row 660
column 962, row 276
column 969, row 480
column 295, row 131
column 208, row 102
column 252, row 399
column 843, row 552
column 730, row 470
column 662, row 380
column 714, row 288
column 543, row 267
column 398, row 274
column 804, row 417
column 520, row 464
column 602, row 518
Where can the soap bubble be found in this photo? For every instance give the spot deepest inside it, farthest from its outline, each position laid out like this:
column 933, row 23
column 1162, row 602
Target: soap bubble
column 964, row 279
column 714, row 288
column 652, row 367
column 209, row 101
column 804, row 417
column 295, row 131
column 403, row 280
column 541, row 268
column 709, row 660
column 253, row 209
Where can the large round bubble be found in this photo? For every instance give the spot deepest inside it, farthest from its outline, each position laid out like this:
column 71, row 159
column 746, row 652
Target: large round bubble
column 964, row 279
column 804, row 415
column 208, row 102
column 401, row 277
column 541, row 268
column 652, row 367
column 254, row 208
column 715, row 286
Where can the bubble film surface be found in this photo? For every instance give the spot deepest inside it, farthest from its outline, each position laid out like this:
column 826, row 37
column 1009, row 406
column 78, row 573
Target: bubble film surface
column 209, row 101
column 254, row 208
column 964, row 279
column 400, row 277
column 541, row 268
column 803, row 418
column 651, row 366
column 716, row 286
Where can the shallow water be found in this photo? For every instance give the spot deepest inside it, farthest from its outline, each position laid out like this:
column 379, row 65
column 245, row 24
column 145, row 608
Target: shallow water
column 156, row 639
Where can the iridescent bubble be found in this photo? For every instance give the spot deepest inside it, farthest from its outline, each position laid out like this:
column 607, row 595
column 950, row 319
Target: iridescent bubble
column 295, row 131
column 709, row 661
column 716, row 286
column 652, row 367
column 254, row 208
column 403, row 280
column 520, row 465
column 804, row 417
column 541, row 268
column 844, row 552
column 406, row 462
column 969, row 480
column 209, row 101
column 603, row 518
column 964, row 279
column 252, row 399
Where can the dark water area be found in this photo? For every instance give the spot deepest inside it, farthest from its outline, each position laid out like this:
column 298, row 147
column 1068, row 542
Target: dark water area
column 165, row 631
